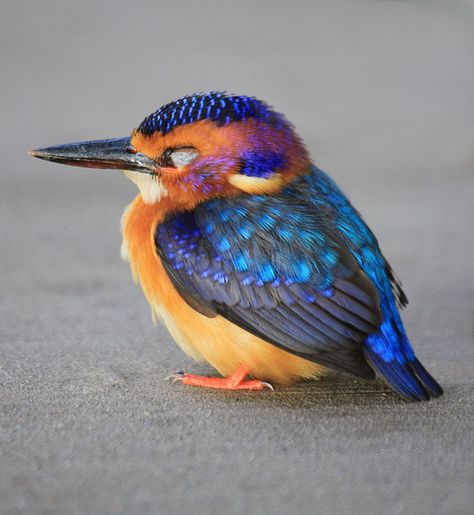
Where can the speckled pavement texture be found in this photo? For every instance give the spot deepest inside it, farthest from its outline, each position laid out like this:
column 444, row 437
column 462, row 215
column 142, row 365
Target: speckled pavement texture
column 382, row 92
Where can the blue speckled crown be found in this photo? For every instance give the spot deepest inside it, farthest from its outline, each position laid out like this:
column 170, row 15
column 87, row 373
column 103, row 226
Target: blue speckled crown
column 215, row 106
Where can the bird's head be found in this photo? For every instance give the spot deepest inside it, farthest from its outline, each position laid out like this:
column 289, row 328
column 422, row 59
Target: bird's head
column 197, row 148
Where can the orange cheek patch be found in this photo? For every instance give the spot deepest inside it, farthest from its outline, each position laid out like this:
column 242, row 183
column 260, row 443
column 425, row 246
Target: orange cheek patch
column 217, row 170
column 200, row 181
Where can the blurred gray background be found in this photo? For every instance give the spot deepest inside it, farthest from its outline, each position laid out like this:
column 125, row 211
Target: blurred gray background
column 382, row 93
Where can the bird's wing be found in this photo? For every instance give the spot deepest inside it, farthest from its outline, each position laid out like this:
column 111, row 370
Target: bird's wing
column 271, row 266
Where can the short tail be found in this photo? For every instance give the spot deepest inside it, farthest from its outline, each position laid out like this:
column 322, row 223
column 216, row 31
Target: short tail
column 410, row 379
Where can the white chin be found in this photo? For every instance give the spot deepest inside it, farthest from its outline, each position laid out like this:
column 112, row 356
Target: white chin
column 150, row 186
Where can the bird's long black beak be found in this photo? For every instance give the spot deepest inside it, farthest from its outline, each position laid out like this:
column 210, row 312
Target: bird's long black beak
column 107, row 154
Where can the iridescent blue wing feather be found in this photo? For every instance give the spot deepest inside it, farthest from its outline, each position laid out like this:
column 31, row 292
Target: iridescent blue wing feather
column 269, row 265
column 301, row 270
column 388, row 350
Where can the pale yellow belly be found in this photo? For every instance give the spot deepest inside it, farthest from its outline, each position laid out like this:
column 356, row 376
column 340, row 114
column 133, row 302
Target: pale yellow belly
column 225, row 346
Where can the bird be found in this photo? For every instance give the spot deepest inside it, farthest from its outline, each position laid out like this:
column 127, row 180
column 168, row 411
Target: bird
column 250, row 255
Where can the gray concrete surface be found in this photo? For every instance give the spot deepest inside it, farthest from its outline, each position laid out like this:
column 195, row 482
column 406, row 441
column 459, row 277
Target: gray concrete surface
column 382, row 92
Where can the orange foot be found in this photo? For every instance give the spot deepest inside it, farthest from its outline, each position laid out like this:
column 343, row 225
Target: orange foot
column 235, row 381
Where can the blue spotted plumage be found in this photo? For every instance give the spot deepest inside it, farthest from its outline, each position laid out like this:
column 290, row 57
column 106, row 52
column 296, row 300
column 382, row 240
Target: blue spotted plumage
column 302, row 270
column 214, row 106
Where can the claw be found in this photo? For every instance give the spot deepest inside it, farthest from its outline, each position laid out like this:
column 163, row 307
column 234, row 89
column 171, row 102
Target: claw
column 175, row 377
column 268, row 385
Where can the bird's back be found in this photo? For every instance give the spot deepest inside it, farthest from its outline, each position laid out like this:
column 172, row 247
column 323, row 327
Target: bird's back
column 388, row 350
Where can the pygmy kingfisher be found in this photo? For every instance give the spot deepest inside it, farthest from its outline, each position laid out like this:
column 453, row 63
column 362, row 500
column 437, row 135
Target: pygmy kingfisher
column 251, row 256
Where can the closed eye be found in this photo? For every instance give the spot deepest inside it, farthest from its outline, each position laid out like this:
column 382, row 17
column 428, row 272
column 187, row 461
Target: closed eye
column 178, row 157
